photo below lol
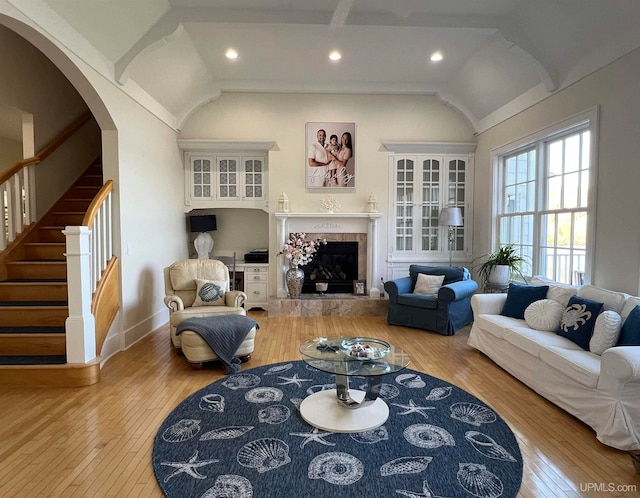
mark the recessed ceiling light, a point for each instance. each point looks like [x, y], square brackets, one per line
[436, 57]
[231, 54]
[335, 55]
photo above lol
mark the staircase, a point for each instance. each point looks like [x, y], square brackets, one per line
[33, 296]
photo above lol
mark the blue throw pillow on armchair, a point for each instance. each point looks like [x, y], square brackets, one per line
[520, 296]
[630, 332]
[578, 320]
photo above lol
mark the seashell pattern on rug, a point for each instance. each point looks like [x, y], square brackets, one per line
[478, 481]
[487, 446]
[372, 436]
[274, 414]
[336, 468]
[264, 454]
[230, 486]
[242, 437]
[428, 436]
[231, 432]
[181, 431]
[212, 402]
[405, 465]
[438, 393]
[472, 413]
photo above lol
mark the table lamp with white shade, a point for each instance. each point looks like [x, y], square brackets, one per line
[204, 242]
[450, 217]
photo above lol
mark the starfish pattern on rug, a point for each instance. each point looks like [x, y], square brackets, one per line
[317, 435]
[293, 380]
[189, 467]
[413, 408]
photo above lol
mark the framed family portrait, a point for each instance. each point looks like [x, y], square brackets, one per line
[330, 158]
[359, 288]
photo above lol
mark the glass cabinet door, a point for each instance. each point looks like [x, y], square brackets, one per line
[430, 205]
[456, 188]
[227, 178]
[201, 177]
[253, 178]
[404, 204]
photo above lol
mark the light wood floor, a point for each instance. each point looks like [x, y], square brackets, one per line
[96, 441]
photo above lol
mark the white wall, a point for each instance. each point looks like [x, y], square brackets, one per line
[10, 153]
[35, 85]
[617, 238]
[282, 118]
[143, 159]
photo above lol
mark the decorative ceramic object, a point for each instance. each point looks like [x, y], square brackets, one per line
[283, 203]
[295, 278]
[372, 203]
[330, 204]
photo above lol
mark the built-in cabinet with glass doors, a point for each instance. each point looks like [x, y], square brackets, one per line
[423, 182]
[225, 178]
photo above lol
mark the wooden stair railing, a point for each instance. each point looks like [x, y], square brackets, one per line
[88, 285]
[90, 252]
[17, 185]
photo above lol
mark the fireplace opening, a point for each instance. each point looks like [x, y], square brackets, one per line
[335, 263]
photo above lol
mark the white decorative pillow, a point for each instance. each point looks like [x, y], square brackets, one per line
[605, 332]
[428, 285]
[544, 314]
[210, 292]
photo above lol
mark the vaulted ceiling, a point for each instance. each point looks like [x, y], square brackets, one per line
[499, 55]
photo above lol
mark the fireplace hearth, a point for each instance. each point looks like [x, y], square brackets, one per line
[335, 263]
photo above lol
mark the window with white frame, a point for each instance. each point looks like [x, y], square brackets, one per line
[545, 209]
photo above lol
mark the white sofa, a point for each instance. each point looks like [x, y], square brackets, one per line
[602, 391]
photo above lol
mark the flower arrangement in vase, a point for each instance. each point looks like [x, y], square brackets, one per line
[298, 251]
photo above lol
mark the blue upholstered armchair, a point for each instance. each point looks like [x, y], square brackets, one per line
[445, 313]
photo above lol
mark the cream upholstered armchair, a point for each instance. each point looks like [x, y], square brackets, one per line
[185, 280]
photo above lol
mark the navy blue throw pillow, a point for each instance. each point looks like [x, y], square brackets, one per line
[520, 296]
[630, 332]
[578, 320]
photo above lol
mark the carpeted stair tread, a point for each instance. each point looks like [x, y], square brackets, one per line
[32, 330]
[33, 360]
[33, 280]
[33, 303]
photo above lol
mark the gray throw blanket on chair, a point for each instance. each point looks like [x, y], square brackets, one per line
[223, 334]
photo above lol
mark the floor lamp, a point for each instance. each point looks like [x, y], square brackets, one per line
[203, 242]
[450, 217]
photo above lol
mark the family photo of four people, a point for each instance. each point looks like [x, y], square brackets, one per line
[328, 162]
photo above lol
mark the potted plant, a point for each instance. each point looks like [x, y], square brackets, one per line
[500, 264]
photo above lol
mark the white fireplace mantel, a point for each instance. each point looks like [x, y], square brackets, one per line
[331, 223]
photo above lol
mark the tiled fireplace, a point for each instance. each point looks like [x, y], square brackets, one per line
[361, 227]
[336, 227]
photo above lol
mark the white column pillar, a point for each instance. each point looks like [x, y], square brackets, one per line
[280, 267]
[80, 325]
[372, 257]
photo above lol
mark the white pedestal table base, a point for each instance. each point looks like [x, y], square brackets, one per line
[324, 411]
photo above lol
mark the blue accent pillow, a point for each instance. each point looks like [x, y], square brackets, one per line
[520, 296]
[578, 320]
[630, 332]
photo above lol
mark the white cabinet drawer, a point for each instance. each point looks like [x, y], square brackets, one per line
[256, 269]
[255, 277]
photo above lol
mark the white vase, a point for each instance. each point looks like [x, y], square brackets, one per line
[499, 274]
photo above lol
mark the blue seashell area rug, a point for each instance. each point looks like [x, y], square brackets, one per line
[242, 437]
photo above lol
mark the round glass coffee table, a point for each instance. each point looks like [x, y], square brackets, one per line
[342, 409]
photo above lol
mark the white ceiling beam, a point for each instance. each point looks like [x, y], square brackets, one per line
[341, 13]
